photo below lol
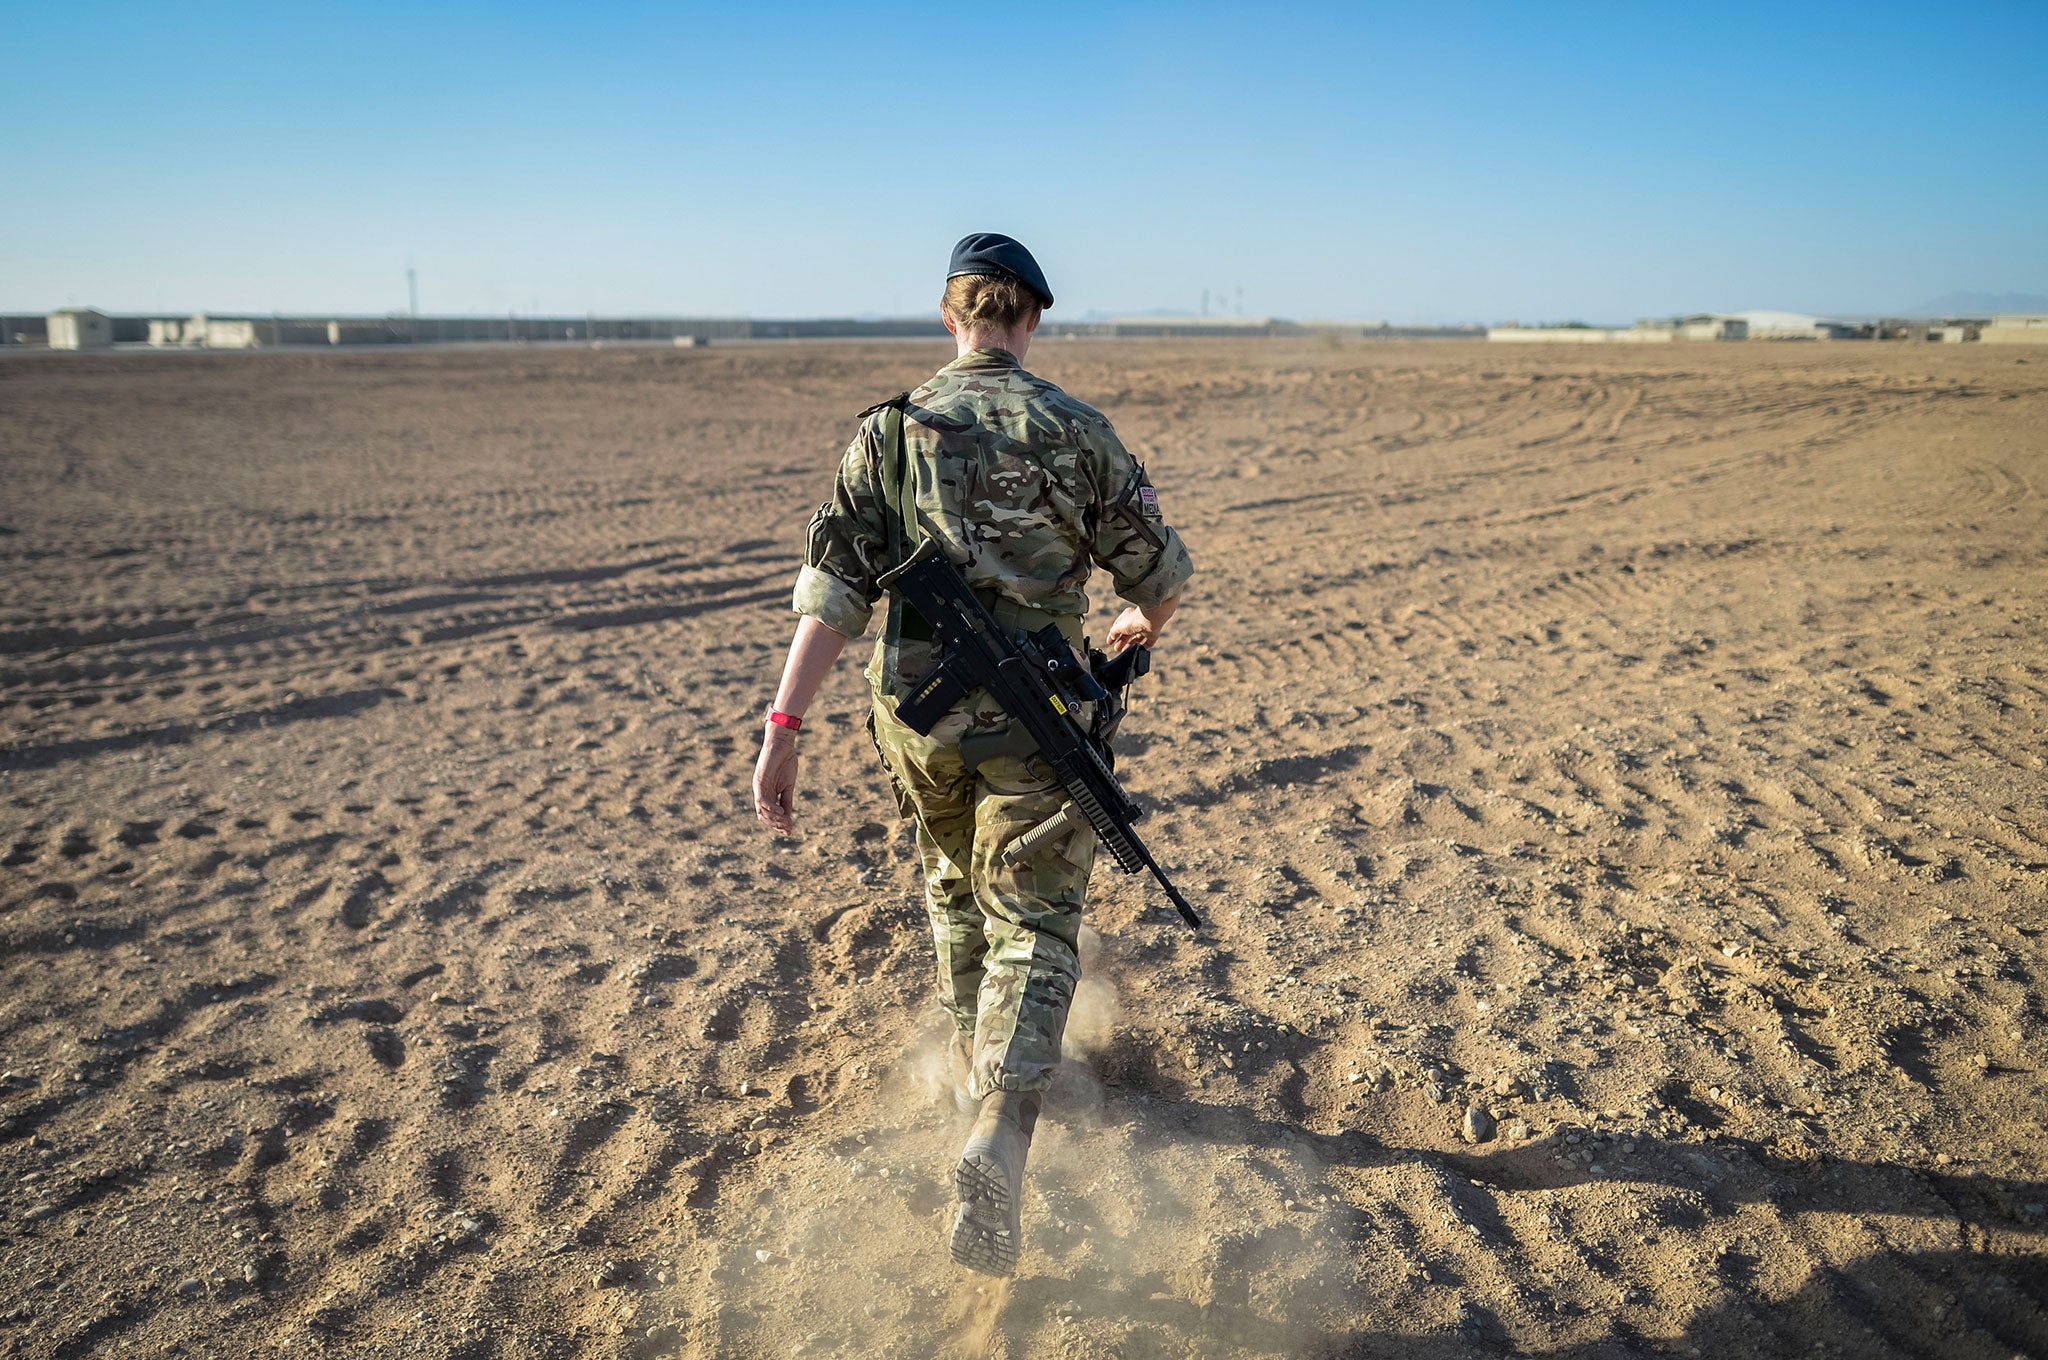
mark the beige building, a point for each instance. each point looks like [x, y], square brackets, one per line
[80, 328]
[2014, 330]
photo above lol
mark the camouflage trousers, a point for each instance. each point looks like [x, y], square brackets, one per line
[1006, 936]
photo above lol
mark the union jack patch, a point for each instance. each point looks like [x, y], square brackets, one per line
[1149, 499]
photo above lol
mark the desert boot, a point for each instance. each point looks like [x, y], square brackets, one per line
[990, 1183]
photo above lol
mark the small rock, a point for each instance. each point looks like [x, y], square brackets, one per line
[250, 1274]
[760, 1121]
[1479, 1124]
[1436, 1093]
[1943, 1159]
[191, 1286]
[764, 1256]
[609, 1274]
[1983, 1061]
[747, 1088]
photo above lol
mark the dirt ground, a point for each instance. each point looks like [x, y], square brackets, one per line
[1614, 779]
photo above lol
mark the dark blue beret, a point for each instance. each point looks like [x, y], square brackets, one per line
[992, 253]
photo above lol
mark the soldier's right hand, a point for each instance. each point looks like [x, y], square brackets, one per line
[775, 780]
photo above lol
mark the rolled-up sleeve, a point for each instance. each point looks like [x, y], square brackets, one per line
[1132, 540]
[845, 545]
[831, 602]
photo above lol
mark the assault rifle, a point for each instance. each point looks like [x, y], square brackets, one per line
[1037, 680]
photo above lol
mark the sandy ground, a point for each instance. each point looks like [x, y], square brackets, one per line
[1615, 780]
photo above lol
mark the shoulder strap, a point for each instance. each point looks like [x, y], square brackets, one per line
[900, 500]
[897, 490]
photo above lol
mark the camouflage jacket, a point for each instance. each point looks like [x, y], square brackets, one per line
[1031, 488]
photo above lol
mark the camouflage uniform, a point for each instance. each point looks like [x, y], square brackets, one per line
[1033, 490]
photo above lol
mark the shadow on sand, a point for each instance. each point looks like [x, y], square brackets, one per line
[1987, 1298]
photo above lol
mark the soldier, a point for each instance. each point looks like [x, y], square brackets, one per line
[1031, 490]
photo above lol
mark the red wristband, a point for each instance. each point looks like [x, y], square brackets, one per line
[781, 719]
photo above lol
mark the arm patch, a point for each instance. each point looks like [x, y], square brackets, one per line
[1138, 506]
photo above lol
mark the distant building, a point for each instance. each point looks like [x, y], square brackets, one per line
[2015, 330]
[1780, 325]
[1799, 326]
[230, 335]
[1710, 326]
[80, 328]
[1580, 335]
[1185, 326]
[204, 332]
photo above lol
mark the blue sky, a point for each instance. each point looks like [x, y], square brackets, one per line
[1454, 161]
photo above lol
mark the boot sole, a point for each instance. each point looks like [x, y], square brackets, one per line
[986, 1230]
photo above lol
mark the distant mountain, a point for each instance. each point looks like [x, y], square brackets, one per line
[1981, 304]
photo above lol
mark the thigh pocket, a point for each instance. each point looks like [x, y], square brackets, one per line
[906, 806]
[1051, 875]
[1023, 777]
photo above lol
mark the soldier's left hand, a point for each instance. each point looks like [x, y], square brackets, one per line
[1140, 625]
